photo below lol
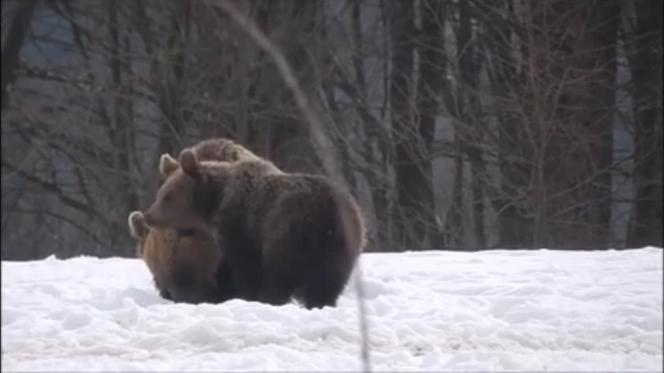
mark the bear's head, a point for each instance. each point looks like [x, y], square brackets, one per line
[187, 198]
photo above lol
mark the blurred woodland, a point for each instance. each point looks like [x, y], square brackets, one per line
[461, 124]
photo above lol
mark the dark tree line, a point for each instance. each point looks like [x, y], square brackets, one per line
[457, 124]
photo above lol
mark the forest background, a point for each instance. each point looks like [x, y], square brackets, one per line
[459, 125]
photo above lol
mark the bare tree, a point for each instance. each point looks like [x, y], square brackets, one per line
[646, 63]
[471, 124]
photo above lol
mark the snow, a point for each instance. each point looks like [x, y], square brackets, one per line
[438, 311]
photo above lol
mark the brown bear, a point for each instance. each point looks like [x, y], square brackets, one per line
[185, 268]
[182, 262]
[283, 235]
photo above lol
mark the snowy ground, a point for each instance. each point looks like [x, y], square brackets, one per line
[441, 311]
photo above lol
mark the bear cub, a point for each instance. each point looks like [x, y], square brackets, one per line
[185, 268]
[283, 235]
[186, 265]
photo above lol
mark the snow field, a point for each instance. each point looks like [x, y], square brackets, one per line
[439, 311]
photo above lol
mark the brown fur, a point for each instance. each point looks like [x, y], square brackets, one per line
[283, 235]
[217, 149]
[188, 268]
[184, 266]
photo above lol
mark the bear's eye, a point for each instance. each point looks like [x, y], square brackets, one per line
[167, 198]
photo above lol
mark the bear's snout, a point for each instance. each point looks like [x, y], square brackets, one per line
[155, 218]
[148, 217]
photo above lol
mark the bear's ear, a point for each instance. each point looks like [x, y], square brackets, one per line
[189, 163]
[167, 165]
[137, 226]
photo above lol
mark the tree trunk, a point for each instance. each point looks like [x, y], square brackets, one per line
[377, 149]
[470, 123]
[646, 221]
[121, 129]
[170, 80]
[578, 148]
[515, 223]
[431, 67]
[412, 138]
[454, 227]
[13, 45]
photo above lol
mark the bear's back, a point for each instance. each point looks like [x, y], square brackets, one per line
[305, 187]
[283, 202]
[221, 149]
[243, 182]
